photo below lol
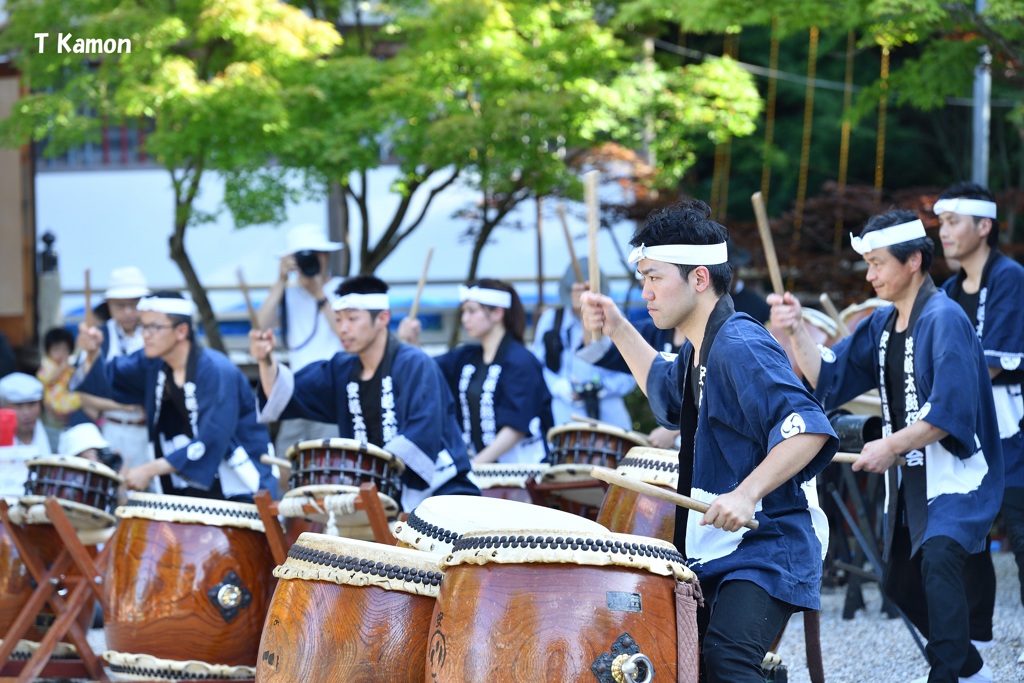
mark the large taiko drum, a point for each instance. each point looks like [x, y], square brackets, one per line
[854, 313]
[349, 611]
[346, 462]
[563, 606]
[439, 521]
[506, 480]
[576, 448]
[628, 512]
[188, 589]
[85, 490]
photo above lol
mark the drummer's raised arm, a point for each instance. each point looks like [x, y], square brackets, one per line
[261, 348]
[599, 313]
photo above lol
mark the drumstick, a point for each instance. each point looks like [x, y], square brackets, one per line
[88, 299]
[761, 214]
[613, 477]
[590, 180]
[830, 308]
[253, 320]
[584, 418]
[568, 240]
[852, 458]
[280, 462]
[419, 287]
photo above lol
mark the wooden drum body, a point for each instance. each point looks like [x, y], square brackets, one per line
[86, 490]
[346, 462]
[581, 443]
[550, 606]
[439, 521]
[628, 512]
[191, 579]
[349, 611]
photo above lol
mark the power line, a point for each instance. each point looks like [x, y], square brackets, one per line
[797, 78]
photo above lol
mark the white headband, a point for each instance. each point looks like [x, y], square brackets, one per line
[363, 302]
[488, 297]
[886, 237]
[966, 207]
[683, 254]
[170, 306]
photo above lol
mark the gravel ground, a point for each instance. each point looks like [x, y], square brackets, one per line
[871, 648]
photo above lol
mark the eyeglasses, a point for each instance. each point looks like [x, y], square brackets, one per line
[153, 328]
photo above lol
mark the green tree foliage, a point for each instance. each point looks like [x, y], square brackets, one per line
[213, 75]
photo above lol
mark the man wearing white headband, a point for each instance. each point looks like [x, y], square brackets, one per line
[752, 440]
[378, 391]
[200, 415]
[990, 290]
[925, 360]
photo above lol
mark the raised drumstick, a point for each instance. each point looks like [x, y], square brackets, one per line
[415, 309]
[88, 299]
[253, 320]
[590, 180]
[613, 477]
[568, 241]
[761, 214]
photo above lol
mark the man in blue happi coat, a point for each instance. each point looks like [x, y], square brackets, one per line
[990, 289]
[200, 413]
[378, 391]
[925, 360]
[752, 439]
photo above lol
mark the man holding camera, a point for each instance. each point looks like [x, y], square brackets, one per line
[303, 313]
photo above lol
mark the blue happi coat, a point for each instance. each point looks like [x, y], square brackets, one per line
[222, 412]
[514, 395]
[750, 401]
[947, 385]
[417, 411]
[1000, 326]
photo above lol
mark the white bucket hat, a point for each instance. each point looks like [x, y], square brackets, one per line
[19, 387]
[308, 237]
[126, 283]
[80, 438]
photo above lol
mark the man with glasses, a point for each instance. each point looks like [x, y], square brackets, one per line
[200, 415]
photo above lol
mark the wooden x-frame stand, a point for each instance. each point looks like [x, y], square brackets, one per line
[74, 570]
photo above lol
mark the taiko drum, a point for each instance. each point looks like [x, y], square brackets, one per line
[191, 580]
[86, 490]
[557, 606]
[581, 443]
[16, 583]
[628, 512]
[439, 521]
[349, 611]
[348, 462]
[507, 481]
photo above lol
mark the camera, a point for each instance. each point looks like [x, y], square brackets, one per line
[308, 262]
[109, 458]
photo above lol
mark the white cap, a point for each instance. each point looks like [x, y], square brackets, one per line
[81, 438]
[308, 237]
[126, 283]
[18, 387]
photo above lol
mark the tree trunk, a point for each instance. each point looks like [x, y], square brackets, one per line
[183, 210]
[338, 228]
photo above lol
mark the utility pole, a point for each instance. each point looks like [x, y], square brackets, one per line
[981, 111]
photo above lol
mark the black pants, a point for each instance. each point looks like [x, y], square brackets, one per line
[929, 588]
[1013, 520]
[980, 581]
[736, 632]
